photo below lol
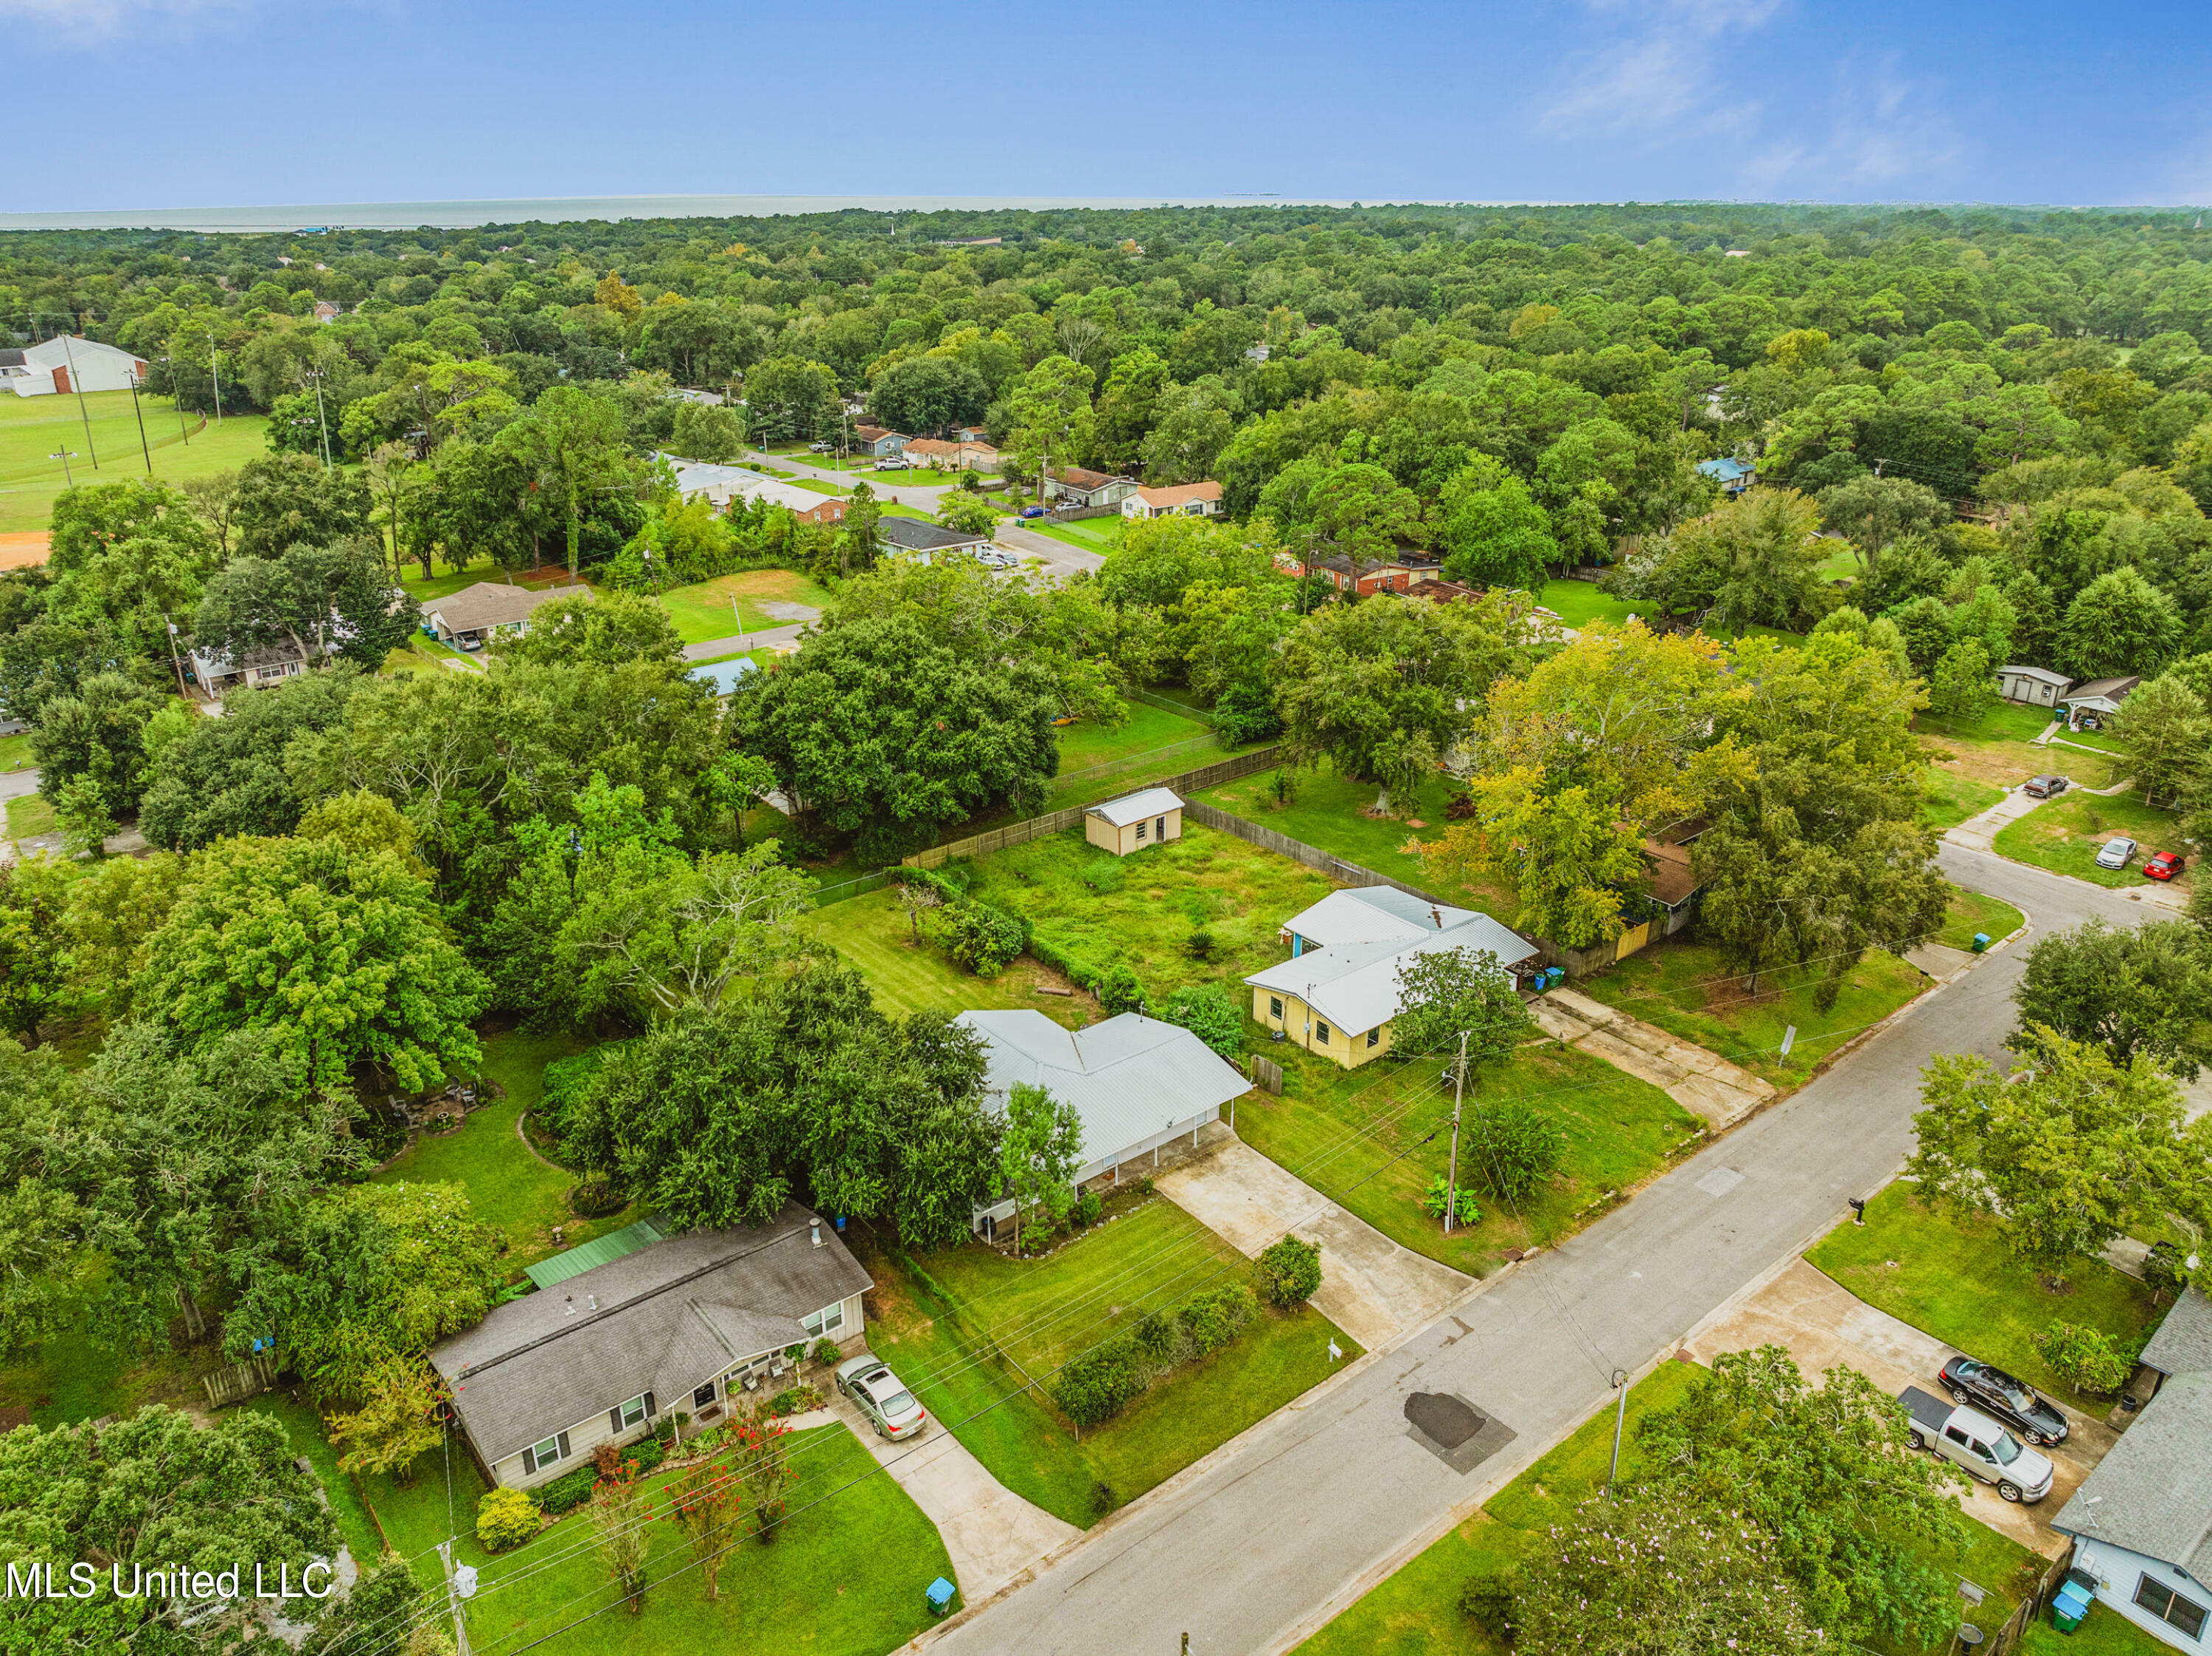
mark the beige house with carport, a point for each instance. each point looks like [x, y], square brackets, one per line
[1135, 821]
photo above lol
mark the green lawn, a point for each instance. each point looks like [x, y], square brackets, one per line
[1100, 535]
[34, 428]
[1971, 912]
[1951, 798]
[29, 814]
[722, 607]
[1994, 721]
[509, 1188]
[845, 1575]
[77, 1378]
[2064, 834]
[1415, 1611]
[1357, 1136]
[1089, 747]
[15, 752]
[969, 1328]
[1688, 989]
[1946, 1272]
[2104, 1632]
[873, 931]
[305, 1427]
[1329, 812]
[1143, 909]
[1578, 603]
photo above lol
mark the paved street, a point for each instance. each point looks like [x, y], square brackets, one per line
[1257, 1545]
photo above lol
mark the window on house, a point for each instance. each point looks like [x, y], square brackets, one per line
[630, 1414]
[828, 1320]
[1142, 827]
[1274, 1006]
[2170, 1607]
[1320, 1033]
[545, 1455]
[1375, 1037]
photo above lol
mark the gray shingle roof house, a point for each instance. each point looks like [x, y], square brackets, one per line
[1339, 991]
[1136, 1082]
[926, 541]
[2142, 1521]
[599, 1356]
[474, 612]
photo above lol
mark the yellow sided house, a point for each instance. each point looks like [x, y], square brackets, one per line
[1135, 821]
[1339, 991]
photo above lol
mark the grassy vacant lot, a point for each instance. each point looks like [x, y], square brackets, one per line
[34, 428]
[1946, 1271]
[1578, 603]
[1100, 535]
[2063, 836]
[967, 1330]
[845, 1575]
[1415, 1612]
[1688, 989]
[1328, 811]
[873, 931]
[1952, 796]
[15, 752]
[77, 1378]
[1995, 747]
[509, 1187]
[29, 814]
[705, 609]
[1971, 912]
[1142, 910]
[1094, 757]
[1358, 1137]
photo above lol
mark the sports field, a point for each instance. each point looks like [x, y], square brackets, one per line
[34, 429]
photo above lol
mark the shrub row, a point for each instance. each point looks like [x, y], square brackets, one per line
[1098, 1385]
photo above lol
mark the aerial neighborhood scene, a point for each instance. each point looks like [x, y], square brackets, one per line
[1411, 873]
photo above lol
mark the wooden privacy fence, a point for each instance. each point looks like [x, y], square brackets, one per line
[1581, 962]
[1312, 855]
[1058, 822]
[237, 1381]
[1068, 515]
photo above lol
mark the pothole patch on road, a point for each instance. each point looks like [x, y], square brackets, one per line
[1453, 1430]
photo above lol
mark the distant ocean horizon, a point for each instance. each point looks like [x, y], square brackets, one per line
[566, 209]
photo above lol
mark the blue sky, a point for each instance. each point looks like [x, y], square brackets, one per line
[182, 103]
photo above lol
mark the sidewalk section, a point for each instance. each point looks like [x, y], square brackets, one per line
[1707, 1085]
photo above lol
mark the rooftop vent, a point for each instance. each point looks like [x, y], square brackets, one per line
[818, 1233]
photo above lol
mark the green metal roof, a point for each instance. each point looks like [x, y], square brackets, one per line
[599, 1251]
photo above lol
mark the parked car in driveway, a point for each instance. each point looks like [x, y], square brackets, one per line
[2004, 1398]
[890, 1407]
[1032, 512]
[894, 463]
[2045, 787]
[2119, 851]
[2165, 865]
[1977, 1445]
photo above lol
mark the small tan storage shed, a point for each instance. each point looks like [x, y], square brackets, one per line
[1135, 821]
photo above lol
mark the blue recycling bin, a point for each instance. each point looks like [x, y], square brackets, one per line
[940, 1596]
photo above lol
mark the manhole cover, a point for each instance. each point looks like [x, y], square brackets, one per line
[1446, 1421]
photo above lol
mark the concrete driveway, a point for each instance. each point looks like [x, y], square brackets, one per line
[991, 1533]
[1370, 1287]
[1704, 1084]
[1823, 1325]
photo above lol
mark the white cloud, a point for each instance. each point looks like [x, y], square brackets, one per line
[1881, 128]
[1658, 75]
[92, 22]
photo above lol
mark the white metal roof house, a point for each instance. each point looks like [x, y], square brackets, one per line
[2089, 705]
[720, 485]
[598, 1355]
[1135, 821]
[1339, 991]
[1136, 1082]
[55, 366]
[2142, 1520]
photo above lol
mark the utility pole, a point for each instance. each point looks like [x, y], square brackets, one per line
[77, 386]
[1451, 1179]
[144, 448]
[176, 397]
[216, 375]
[65, 456]
[317, 376]
[1620, 1415]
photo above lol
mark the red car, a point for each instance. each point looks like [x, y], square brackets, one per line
[2164, 865]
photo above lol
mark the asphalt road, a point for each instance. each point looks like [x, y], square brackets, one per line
[1264, 1542]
